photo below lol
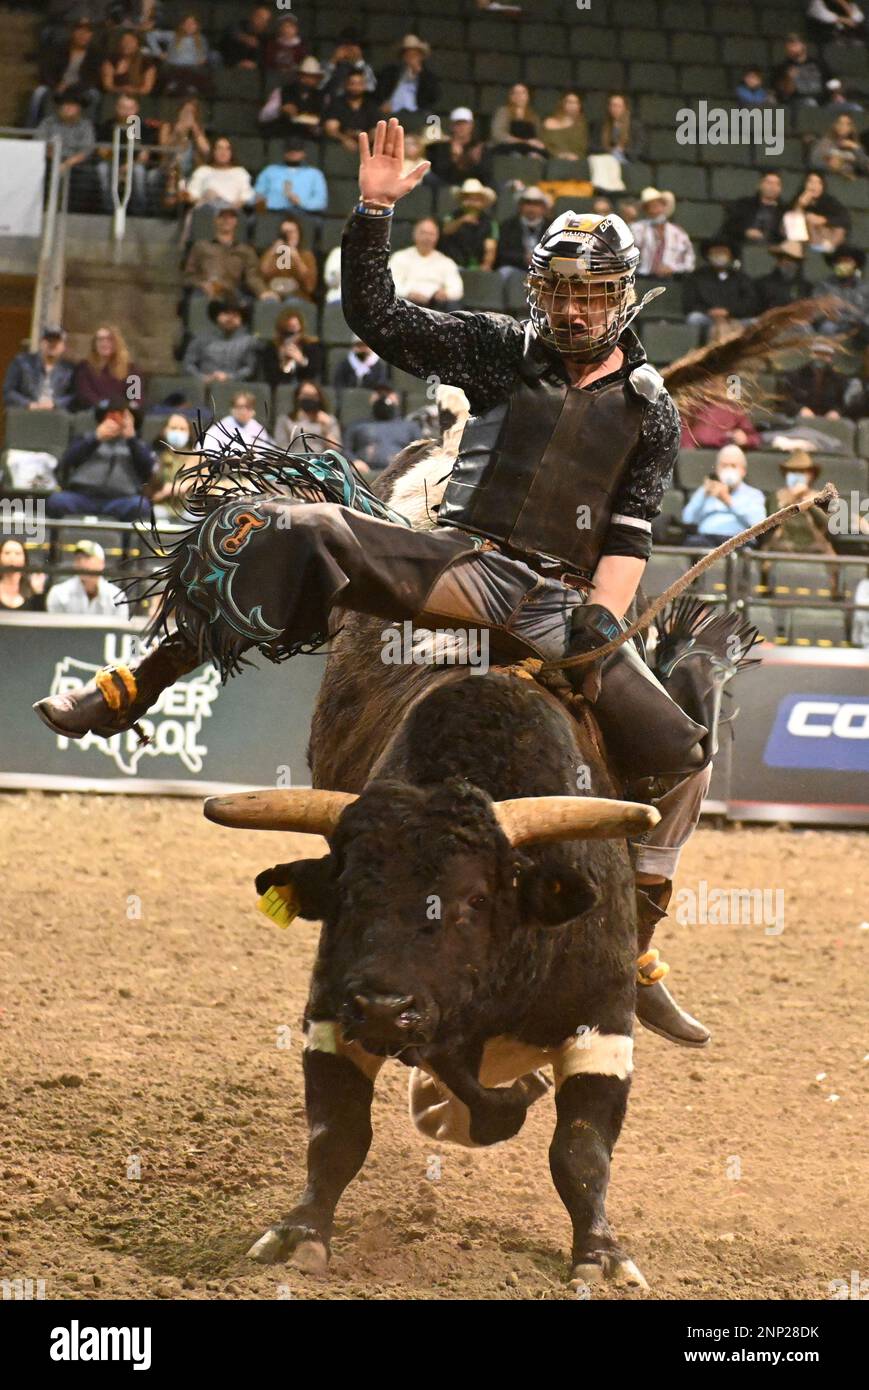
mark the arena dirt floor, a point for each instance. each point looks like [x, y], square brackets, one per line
[160, 1040]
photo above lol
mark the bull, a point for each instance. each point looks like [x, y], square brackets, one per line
[478, 923]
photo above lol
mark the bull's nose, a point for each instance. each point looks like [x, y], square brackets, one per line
[390, 1010]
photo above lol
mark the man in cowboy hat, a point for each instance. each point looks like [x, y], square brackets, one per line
[847, 284]
[815, 388]
[296, 108]
[410, 84]
[471, 236]
[786, 283]
[521, 233]
[665, 248]
[718, 294]
[231, 355]
[560, 470]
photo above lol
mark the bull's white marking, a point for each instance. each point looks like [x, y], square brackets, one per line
[421, 488]
[439, 1115]
[322, 1036]
[603, 1054]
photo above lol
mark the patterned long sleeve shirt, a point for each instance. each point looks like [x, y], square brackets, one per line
[482, 354]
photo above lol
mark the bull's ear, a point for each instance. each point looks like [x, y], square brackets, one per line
[548, 898]
[313, 882]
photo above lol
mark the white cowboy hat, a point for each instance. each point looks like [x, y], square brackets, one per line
[534, 195]
[473, 186]
[413, 41]
[648, 195]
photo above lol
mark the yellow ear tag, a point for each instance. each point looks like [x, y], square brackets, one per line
[280, 905]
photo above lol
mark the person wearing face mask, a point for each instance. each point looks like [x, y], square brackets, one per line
[723, 505]
[293, 355]
[808, 532]
[361, 367]
[292, 184]
[376, 441]
[665, 248]
[815, 388]
[847, 284]
[786, 283]
[167, 496]
[310, 415]
[718, 295]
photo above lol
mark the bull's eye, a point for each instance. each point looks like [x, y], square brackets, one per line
[478, 902]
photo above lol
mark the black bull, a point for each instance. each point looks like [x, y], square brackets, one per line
[472, 960]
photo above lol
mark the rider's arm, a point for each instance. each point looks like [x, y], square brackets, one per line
[638, 500]
[615, 582]
[475, 351]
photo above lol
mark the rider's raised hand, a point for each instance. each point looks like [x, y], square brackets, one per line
[381, 179]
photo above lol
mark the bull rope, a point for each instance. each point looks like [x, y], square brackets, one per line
[823, 499]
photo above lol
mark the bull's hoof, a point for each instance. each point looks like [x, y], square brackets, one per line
[294, 1244]
[610, 1269]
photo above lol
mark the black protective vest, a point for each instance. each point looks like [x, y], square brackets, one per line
[540, 472]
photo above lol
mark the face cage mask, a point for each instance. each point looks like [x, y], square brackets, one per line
[604, 312]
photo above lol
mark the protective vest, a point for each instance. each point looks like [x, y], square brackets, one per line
[540, 471]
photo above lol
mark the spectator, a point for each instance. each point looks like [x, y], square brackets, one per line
[145, 174]
[665, 248]
[360, 368]
[244, 44]
[520, 234]
[470, 237]
[410, 84]
[515, 127]
[221, 182]
[296, 108]
[229, 356]
[332, 276]
[620, 133]
[77, 141]
[107, 373]
[786, 283]
[288, 268]
[310, 415]
[829, 20]
[88, 591]
[72, 64]
[425, 275]
[840, 151]
[723, 505]
[225, 266]
[860, 624]
[463, 155]
[285, 49]
[292, 184]
[815, 388]
[750, 90]
[41, 380]
[21, 589]
[757, 218]
[239, 431]
[847, 284]
[718, 293]
[713, 425]
[372, 444]
[838, 99]
[807, 532]
[346, 58]
[355, 110]
[103, 473]
[185, 136]
[292, 355]
[565, 132]
[169, 491]
[629, 209]
[816, 217]
[799, 80]
[127, 68]
[186, 65]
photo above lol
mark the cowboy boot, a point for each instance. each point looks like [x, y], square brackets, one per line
[656, 1008]
[118, 696]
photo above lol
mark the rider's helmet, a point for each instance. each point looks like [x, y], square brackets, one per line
[581, 284]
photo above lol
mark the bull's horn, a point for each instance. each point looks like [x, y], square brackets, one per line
[303, 809]
[540, 819]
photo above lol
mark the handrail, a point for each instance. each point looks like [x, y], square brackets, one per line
[121, 200]
[48, 302]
